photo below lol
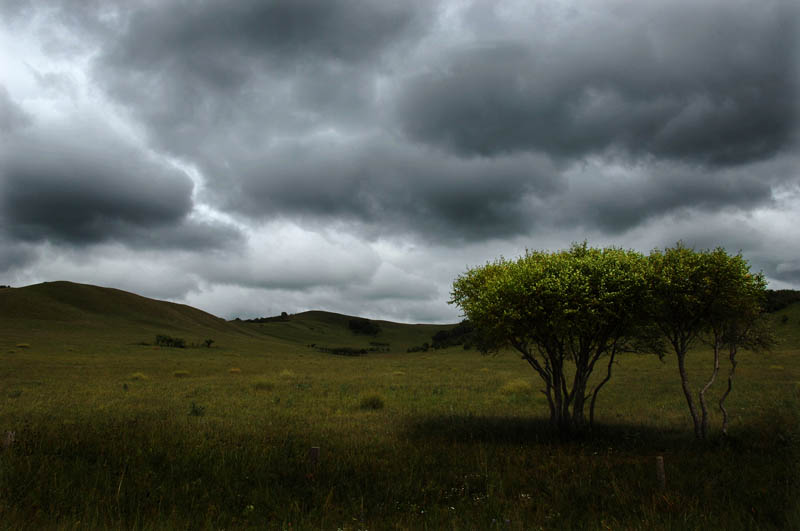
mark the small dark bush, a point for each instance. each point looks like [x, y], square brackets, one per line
[371, 401]
[364, 327]
[780, 299]
[168, 341]
[343, 351]
[283, 317]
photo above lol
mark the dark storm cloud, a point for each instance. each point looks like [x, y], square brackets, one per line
[251, 93]
[15, 255]
[282, 30]
[619, 199]
[224, 60]
[399, 188]
[80, 183]
[441, 123]
[714, 82]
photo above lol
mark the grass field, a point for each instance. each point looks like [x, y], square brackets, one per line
[111, 431]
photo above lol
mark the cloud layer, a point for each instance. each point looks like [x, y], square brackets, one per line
[356, 155]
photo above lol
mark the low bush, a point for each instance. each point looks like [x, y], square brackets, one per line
[180, 374]
[263, 384]
[169, 341]
[342, 351]
[364, 327]
[371, 401]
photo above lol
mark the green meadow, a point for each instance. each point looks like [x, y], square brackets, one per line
[111, 430]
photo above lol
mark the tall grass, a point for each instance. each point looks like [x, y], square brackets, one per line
[461, 442]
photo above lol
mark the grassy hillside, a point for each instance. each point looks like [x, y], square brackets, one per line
[786, 323]
[326, 329]
[86, 305]
[56, 311]
[113, 434]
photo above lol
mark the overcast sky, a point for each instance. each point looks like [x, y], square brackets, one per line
[254, 157]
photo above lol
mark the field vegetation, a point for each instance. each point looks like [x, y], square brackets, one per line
[100, 427]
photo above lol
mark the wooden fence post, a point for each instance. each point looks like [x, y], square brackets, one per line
[313, 456]
[660, 475]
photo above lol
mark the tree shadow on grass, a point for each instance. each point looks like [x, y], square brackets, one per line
[517, 430]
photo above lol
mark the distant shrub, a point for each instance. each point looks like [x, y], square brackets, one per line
[180, 374]
[23, 345]
[780, 299]
[16, 393]
[263, 384]
[282, 318]
[516, 387]
[168, 341]
[364, 326]
[208, 342]
[235, 370]
[196, 410]
[420, 348]
[371, 401]
[342, 351]
[139, 376]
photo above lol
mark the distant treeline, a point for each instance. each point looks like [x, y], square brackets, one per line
[463, 334]
[778, 299]
[283, 317]
[363, 326]
[352, 351]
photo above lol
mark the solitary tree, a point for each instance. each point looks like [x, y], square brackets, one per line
[575, 306]
[708, 296]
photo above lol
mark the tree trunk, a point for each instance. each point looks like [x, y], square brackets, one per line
[579, 384]
[601, 384]
[732, 357]
[702, 394]
[578, 401]
[688, 393]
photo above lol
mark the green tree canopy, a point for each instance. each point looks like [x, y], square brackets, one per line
[567, 307]
[707, 296]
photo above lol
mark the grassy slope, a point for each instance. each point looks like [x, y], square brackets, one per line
[70, 312]
[104, 434]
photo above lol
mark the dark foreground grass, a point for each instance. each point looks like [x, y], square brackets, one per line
[435, 471]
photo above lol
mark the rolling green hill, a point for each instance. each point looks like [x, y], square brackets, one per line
[69, 302]
[53, 310]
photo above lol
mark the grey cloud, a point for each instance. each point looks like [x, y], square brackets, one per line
[715, 83]
[15, 255]
[12, 117]
[617, 200]
[395, 188]
[82, 184]
[214, 58]
[207, 33]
